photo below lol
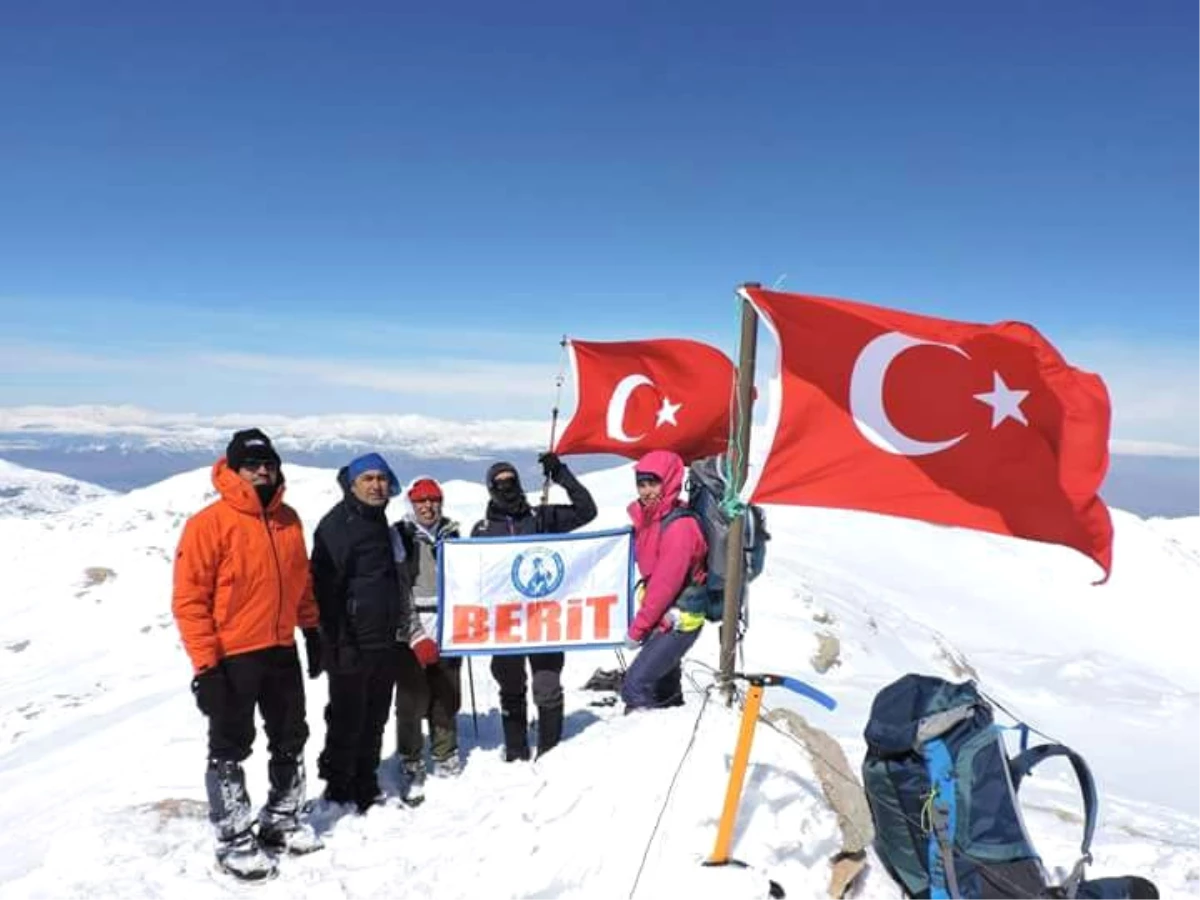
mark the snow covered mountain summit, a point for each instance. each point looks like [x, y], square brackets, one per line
[102, 750]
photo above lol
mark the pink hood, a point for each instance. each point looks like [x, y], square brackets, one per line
[668, 467]
[665, 558]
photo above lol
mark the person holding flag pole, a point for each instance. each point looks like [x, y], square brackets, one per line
[508, 513]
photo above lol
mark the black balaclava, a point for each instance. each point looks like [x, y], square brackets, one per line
[266, 493]
[509, 499]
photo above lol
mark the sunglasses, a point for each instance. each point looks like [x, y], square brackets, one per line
[254, 465]
[647, 478]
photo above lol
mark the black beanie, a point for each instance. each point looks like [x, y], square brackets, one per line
[250, 445]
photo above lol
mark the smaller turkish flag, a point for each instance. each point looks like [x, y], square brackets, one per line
[979, 426]
[632, 397]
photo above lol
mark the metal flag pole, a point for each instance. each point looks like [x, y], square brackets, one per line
[738, 463]
[558, 386]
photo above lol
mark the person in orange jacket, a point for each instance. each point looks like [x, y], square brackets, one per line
[241, 588]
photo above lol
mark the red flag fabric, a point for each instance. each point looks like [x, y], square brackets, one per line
[637, 396]
[979, 426]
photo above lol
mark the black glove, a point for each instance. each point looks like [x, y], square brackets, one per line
[312, 652]
[211, 688]
[551, 465]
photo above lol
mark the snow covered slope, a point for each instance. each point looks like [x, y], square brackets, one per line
[28, 492]
[102, 750]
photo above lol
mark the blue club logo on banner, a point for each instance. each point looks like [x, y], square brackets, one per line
[538, 572]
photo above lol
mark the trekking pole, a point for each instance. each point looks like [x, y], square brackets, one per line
[471, 685]
[558, 385]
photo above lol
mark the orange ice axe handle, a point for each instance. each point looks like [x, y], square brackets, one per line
[737, 775]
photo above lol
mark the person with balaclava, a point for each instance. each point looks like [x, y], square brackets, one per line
[367, 621]
[509, 513]
[433, 692]
[241, 588]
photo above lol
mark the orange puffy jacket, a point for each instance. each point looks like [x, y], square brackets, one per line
[241, 574]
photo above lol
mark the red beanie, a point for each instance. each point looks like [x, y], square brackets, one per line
[425, 489]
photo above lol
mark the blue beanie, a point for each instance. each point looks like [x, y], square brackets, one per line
[373, 462]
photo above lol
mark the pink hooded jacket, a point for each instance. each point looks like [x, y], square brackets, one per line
[665, 557]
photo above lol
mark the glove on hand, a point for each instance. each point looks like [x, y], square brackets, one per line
[425, 649]
[631, 643]
[312, 652]
[551, 465]
[210, 688]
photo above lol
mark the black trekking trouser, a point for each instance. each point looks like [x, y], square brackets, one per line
[509, 672]
[360, 698]
[268, 680]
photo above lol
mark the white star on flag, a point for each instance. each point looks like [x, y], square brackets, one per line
[1004, 401]
[666, 412]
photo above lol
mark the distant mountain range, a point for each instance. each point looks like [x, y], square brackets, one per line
[123, 447]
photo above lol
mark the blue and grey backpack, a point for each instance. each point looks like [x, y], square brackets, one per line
[943, 796]
[706, 485]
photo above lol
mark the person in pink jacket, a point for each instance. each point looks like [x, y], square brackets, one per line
[671, 557]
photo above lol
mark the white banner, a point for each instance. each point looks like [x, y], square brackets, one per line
[535, 593]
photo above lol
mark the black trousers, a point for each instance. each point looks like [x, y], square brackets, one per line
[509, 672]
[268, 680]
[360, 699]
[433, 693]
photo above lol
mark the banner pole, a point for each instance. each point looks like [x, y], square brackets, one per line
[474, 709]
[738, 469]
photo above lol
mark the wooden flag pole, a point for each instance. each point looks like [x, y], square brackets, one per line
[738, 467]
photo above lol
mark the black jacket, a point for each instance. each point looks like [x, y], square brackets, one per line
[363, 596]
[555, 518]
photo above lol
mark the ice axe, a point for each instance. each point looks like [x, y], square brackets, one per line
[741, 756]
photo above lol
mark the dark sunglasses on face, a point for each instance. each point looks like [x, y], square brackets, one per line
[647, 478]
[254, 465]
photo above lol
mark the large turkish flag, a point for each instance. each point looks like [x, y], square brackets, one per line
[636, 396]
[979, 426]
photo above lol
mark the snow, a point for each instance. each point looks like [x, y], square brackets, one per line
[28, 492]
[133, 428]
[102, 750]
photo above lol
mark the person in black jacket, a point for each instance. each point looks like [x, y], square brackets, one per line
[509, 513]
[366, 621]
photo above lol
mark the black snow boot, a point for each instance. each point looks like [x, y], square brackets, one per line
[279, 822]
[516, 734]
[550, 726]
[238, 851]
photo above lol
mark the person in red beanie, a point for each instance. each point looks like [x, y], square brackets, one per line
[432, 692]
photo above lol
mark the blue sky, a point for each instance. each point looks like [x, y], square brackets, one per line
[311, 207]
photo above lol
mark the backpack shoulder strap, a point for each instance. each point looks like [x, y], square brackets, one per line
[1024, 763]
[680, 512]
